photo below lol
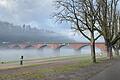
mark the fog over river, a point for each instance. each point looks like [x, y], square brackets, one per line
[14, 54]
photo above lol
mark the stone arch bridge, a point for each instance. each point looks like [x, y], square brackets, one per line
[57, 46]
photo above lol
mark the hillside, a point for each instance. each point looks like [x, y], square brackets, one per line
[15, 33]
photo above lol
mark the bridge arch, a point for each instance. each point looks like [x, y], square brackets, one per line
[39, 46]
[16, 46]
[13, 46]
[61, 45]
[25, 46]
[66, 50]
[42, 46]
[82, 47]
[87, 49]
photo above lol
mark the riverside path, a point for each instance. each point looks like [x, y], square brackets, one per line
[111, 73]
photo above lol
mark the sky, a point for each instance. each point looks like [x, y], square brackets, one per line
[38, 13]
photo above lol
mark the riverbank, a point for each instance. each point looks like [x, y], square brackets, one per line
[35, 62]
[75, 68]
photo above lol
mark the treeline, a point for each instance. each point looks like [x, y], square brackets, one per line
[101, 16]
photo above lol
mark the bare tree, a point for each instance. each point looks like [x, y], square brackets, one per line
[107, 20]
[82, 14]
[116, 46]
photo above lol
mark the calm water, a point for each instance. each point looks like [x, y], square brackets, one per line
[14, 54]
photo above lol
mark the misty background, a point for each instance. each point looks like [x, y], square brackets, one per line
[31, 21]
[18, 34]
[38, 20]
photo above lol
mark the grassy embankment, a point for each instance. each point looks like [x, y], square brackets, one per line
[80, 62]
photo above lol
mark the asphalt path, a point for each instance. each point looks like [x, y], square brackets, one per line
[111, 73]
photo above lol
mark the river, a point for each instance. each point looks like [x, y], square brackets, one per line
[14, 54]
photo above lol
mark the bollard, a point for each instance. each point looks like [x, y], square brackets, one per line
[21, 60]
[2, 62]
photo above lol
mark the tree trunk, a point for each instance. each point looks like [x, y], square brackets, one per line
[93, 48]
[109, 51]
[116, 51]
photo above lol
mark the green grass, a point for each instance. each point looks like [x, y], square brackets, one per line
[24, 75]
[41, 73]
[80, 62]
[71, 67]
[51, 58]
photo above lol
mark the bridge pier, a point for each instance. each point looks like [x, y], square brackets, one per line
[57, 52]
[41, 49]
[77, 51]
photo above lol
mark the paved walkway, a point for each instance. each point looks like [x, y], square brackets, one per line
[111, 73]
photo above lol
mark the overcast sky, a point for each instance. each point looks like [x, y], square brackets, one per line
[35, 12]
